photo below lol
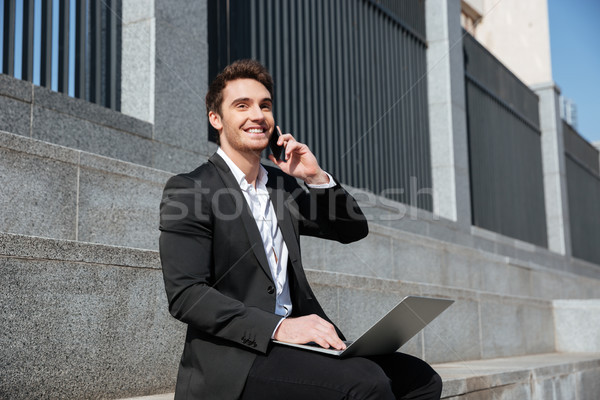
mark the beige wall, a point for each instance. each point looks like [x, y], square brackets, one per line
[517, 32]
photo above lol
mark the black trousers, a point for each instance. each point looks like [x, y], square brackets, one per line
[290, 374]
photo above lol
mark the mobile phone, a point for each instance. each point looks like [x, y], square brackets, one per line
[277, 150]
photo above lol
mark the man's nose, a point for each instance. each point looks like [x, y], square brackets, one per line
[256, 114]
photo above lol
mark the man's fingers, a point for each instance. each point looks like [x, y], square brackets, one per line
[291, 146]
[321, 342]
[330, 337]
[311, 328]
[286, 137]
[275, 161]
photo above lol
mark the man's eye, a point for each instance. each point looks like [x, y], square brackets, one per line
[266, 107]
[241, 105]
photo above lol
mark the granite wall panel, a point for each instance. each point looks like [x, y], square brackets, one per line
[78, 330]
[38, 195]
[118, 210]
[454, 335]
[15, 116]
[82, 134]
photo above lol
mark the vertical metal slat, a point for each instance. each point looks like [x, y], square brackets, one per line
[46, 45]
[27, 63]
[111, 54]
[80, 49]
[63, 46]
[95, 46]
[8, 47]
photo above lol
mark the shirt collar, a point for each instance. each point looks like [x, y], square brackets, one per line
[240, 177]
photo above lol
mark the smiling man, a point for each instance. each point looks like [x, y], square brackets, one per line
[233, 272]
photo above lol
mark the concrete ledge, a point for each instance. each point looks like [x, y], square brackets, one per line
[430, 247]
[15, 88]
[33, 111]
[577, 325]
[166, 396]
[46, 98]
[83, 321]
[105, 319]
[55, 191]
[391, 253]
[478, 325]
[82, 109]
[32, 247]
[555, 376]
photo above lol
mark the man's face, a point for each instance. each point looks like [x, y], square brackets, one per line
[246, 121]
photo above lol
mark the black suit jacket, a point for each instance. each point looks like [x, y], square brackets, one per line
[216, 272]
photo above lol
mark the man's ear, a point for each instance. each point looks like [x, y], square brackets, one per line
[215, 120]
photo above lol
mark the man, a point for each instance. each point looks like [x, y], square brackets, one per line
[233, 272]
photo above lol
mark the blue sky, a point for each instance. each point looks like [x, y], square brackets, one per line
[575, 50]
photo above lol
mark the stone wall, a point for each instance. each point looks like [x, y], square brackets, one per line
[39, 113]
[93, 305]
[83, 321]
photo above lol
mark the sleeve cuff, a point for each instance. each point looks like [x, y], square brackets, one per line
[277, 326]
[328, 185]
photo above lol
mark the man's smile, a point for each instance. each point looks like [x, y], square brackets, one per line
[256, 131]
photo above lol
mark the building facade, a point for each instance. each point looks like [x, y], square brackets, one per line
[474, 187]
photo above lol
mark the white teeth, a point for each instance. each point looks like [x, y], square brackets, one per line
[254, 130]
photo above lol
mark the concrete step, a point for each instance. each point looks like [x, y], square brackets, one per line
[101, 281]
[554, 376]
[58, 192]
[104, 316]
[75, 263]
[38, 112]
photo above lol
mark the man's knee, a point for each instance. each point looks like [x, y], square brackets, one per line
[433, 389]
[381, 389]
[372, 384]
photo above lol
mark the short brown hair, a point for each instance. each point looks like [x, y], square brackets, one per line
[240, 69]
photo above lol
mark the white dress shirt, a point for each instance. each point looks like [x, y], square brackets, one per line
[260, 205]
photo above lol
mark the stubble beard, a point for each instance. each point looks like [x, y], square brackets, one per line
[245, 147]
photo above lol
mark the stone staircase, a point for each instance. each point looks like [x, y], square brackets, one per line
[84, 311]
[537, 377]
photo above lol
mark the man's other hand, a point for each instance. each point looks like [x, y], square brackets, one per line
[310, 328]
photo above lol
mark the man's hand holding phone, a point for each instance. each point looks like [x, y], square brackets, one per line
[276, 149]
[300, 161]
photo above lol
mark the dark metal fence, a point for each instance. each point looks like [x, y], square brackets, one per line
[409, 13]
[583, 188]
[580, 149]
[69, 46]
[507, 193]
[350, 81]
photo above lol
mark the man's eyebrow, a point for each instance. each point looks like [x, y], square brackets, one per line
[240, 100]
[246, 99]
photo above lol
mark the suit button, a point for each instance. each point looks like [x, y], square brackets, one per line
[270, 290]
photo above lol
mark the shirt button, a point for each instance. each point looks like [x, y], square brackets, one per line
[270, 290]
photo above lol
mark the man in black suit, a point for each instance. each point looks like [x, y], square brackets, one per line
[233, 272]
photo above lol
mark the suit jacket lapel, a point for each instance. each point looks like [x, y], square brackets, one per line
[245, 215]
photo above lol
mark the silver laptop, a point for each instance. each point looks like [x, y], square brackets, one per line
[392, 331]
